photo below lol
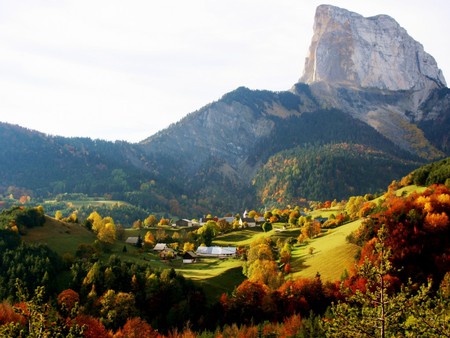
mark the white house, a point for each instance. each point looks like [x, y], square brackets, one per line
[216, 251]
[160, 247]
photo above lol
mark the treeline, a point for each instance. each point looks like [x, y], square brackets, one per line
[433, 173]
[18, 219]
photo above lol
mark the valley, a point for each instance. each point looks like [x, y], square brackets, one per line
[322, 210]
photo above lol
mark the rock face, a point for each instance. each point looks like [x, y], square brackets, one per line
[376, 52]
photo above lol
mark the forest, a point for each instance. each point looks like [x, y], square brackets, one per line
[398, 286]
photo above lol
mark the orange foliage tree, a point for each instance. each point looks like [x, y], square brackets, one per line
[136, 328]
[67, 300]
[418, 233]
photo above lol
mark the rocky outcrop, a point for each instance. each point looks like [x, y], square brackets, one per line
[372, 69]
[376, 52]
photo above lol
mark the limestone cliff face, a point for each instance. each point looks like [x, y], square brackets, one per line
[376, 52]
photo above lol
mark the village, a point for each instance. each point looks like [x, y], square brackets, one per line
[168, 249]
[166, 252]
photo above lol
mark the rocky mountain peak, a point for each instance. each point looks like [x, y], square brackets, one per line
[375, 52]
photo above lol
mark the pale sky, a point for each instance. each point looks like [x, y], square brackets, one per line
[123, 70]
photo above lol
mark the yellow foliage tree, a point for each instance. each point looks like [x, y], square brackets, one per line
[107, 234]
[149, 239]
[96, 221]
[150, 221]
[188, 247]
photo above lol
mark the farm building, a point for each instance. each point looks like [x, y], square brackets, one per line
[189, 257]
[132, 240]
[183, 223]
[160, 247]
[229, 219]
[250, 222]
[216, 251]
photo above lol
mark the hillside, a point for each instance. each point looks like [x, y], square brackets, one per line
[332, 254]
[60, 236]
[327, 172]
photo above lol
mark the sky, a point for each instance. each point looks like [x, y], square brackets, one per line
[123, 70]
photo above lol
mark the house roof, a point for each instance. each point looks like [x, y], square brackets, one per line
[228, 219]
[216, 250]
[132, 240]
[160, 246]
[184, 220]
[189, 254]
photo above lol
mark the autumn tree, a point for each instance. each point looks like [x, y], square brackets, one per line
[285, 253]
[67, 300]
[207, 232]
[375, 310]
[96, 221]
[164, 221]
[149, 239]
[58, 215]
[107, 233]
[150, 221]
[311, 229]
[261, 266]
[188, 246]
[92, 327]
[137, 224]
[224, 226]
[38, 316]
[160, 235]
[136, 328]
[353, 206]
[116, 308]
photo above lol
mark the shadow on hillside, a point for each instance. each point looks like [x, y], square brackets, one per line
[238, 236]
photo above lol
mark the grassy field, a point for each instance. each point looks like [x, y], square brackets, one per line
[61, 237]
[91, 201]
[325, 212]
[214, 275]
[331, 255]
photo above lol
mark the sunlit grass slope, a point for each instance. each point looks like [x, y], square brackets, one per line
[332, 254]
[60, 236]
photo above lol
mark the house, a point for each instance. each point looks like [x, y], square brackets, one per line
[250, 221]
[216, 251]
[204, 220]
[183, 223]
[228, 219]
[160, 247]
[132, 240]
[260, 220]
[189, 257]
